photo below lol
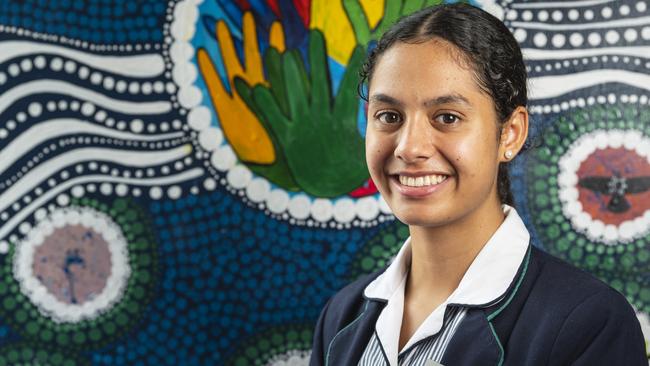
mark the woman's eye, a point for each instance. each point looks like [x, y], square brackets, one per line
[447, 118]
[389, 117]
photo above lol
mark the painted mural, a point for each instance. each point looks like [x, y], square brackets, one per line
[183, 182]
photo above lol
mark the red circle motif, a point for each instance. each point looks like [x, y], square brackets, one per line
[73, 263]
[600, 167]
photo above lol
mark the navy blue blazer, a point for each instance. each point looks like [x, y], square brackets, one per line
[552, 314]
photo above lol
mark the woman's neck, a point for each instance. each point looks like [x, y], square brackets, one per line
[440, 256]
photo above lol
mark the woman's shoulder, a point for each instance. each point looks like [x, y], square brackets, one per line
[592, 321]
[572, 316]
[569, 283]
[553, 293]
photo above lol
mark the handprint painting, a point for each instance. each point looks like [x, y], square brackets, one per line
[290, 129]
[184, 182]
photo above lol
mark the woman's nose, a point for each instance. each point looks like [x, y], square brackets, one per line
[415, 141]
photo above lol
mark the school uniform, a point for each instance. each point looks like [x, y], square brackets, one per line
[515, 305]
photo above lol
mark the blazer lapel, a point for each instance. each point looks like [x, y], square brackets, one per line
[474, 342]
[348, 345]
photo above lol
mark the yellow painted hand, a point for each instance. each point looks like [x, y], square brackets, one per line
[240, 125]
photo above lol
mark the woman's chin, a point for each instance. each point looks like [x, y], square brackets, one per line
[421, 218]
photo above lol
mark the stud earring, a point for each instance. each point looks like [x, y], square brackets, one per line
[508, 154]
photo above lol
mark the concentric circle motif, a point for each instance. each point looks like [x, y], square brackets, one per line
[82, 276]
[587, 185]
[26, 354]
[604, 185]
[287, 345]
[73, 265]
[379, 250]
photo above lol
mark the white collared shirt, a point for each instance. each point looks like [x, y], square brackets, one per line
[486, 280]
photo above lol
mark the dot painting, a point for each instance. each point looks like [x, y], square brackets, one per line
[152, 214]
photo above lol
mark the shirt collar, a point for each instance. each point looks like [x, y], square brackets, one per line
[486, 280]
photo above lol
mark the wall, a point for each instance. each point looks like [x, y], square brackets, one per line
[182, 182]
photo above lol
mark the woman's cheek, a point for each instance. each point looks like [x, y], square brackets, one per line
[474, 151]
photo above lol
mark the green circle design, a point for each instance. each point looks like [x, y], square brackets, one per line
[271, 345]
[625, 266]
[379, 250]
[25, 318]
[24, 354]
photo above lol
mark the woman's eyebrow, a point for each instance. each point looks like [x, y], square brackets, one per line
[443, 99]
[448, 99]
[383, 98]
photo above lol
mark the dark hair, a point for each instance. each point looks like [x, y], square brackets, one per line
[485, 43]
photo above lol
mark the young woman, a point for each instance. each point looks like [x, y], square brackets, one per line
[446, 113]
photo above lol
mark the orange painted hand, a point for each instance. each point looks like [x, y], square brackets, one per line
[240, 125]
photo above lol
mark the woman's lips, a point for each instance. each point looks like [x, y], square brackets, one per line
[419, 186]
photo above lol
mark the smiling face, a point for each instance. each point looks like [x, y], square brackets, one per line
[431, 139]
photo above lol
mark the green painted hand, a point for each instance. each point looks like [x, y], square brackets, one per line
[318, 135]
[393, 10]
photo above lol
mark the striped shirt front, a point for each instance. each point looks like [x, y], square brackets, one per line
[486, 280]
[430, 348]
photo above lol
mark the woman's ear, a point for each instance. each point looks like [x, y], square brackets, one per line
[513, 134]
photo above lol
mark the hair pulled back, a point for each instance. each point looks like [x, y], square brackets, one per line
[486, 45]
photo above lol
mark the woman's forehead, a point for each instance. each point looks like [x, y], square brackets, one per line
[430, 70]
[431, 49]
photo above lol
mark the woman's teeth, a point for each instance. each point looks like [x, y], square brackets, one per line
[427, 180]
